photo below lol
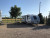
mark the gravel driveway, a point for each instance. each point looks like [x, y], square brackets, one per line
[24, 31]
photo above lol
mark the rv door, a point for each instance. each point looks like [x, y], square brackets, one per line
[35, 19]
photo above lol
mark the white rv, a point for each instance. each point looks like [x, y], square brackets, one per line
[33, 19]
[0, 17]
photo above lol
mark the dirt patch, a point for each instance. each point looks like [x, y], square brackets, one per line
[23, 31]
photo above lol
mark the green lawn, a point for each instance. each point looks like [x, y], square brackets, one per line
[10, 20]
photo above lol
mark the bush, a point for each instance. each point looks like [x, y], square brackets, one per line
[41, 18]
[48, 21]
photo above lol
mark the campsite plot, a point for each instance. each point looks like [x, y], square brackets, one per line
[24, 31]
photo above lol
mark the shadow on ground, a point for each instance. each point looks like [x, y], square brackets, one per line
[41, 27]
[18, 25]
[1, 24]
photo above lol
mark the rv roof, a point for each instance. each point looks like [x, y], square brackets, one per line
[30, 15]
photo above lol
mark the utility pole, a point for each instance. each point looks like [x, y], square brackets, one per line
[39, 6]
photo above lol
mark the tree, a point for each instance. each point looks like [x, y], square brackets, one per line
[15, 12]
[41, 18]
[44, 20]
[49, 15]
[48, 21]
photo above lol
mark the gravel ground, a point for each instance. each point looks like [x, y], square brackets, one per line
[24, 31]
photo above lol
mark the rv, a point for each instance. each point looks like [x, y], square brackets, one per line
[0, 17]
[32, 19]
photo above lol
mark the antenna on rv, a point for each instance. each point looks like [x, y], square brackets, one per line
[39, 6]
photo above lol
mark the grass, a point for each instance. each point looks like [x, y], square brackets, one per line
[10, 20]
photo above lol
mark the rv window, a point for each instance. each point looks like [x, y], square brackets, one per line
[34, 17]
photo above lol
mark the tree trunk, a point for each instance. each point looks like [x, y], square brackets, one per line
[15, 19]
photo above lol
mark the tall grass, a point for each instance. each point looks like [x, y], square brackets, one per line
[10, 20]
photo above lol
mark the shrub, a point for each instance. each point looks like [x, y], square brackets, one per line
[41, 18]
[48, 20]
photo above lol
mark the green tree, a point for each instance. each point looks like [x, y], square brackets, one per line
[49, 15]
[44, 20]
[41, 18]
[15, 12]
[48, 21]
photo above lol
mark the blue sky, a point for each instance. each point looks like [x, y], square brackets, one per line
[27, 6]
